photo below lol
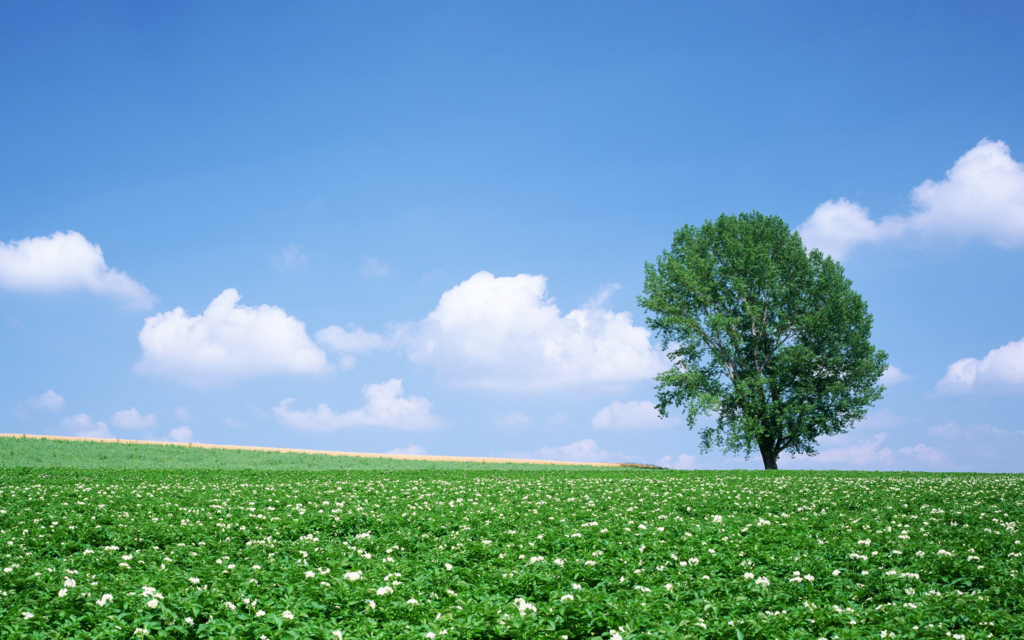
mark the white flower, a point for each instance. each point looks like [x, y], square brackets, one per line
[62, 593]
[716, 518]
[353, 575]
[576, 586]
[194, 580]
[412, 601]
[189, 621]
[28, 615]
[69, 583]
[567, 596]
[261, 613]
[762, 581]
[371, 604]
[524, 606]
[836, 572]
[153, 604]
[385, 591]
[448, 567]
[430, 634]
[748, 576]
[104, 599]
[287, 615]
[668, 587]
[310, 574]
[230, 605]
[140, 631]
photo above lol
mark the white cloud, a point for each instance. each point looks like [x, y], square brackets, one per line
[682, 461]
[837, 226]
[585, 450]
[345, 342]
[83, 426]
[512, 420]
[507, 334]
[864, 453]
[66, 262]
[372, 267]
[180, 434]
[411, 450]
[924, 454]
[1001, 368]
[181, 413]
[132, 419]
[353, 340]
[49, 400]
[385, 407]
[842, 451]
[982, 197]
[227, 342]
[288, 257]
[635, 414]
[893, 375]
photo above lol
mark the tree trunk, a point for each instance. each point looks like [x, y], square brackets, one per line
[769, 455]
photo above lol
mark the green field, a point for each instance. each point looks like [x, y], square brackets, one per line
[531, 552]
[77, 454]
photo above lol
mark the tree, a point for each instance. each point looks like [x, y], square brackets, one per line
[763, 333]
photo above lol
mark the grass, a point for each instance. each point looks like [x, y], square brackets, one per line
[78, 454]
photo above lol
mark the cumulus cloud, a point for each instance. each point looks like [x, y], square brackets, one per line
[346, 342]
[635, 414]
[837, 226]
[386, 406]
[227, 342]
[682, 461]
[49, 400]
[893, 375]
[83, 426]
[585, 450]
[505, 333]
[180, 434]
[1000, 369]
[66, 262]
[132, 419]
[982, 197]
[372, 267]
[411, 450]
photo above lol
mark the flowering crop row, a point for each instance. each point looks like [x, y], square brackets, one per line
[549, 554]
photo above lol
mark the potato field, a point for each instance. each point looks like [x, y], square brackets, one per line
[562, 554]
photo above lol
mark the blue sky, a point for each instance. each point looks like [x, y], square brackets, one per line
[422, 226]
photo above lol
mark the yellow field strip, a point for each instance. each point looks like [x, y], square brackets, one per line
[396, 456]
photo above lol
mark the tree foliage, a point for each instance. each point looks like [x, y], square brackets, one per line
[768, 336]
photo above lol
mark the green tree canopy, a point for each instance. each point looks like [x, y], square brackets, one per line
[768, 336]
